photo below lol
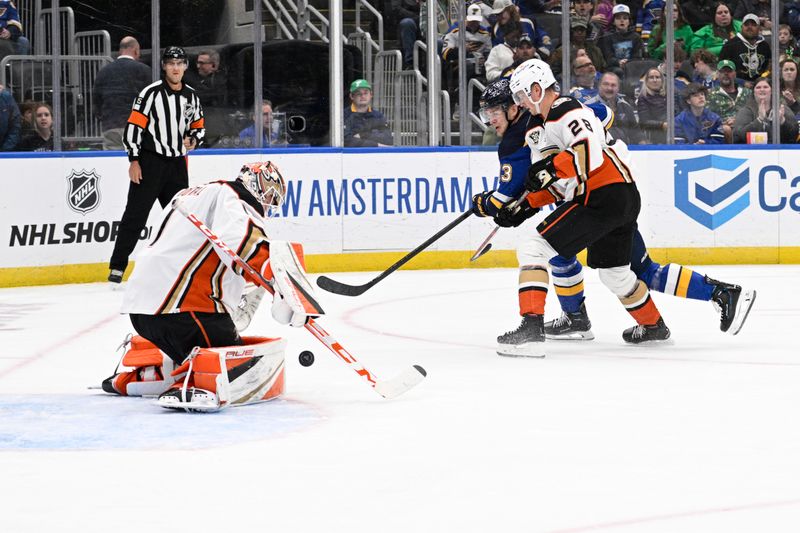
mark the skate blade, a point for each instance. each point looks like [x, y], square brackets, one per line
[574, 336]
[192, 407]
[664, 342]
[743, 306]
[528, 349]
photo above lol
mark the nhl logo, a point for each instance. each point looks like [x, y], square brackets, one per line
[83, 194]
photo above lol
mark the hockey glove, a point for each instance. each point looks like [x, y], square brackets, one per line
[480, 203]
[541, 174]
[511, 218]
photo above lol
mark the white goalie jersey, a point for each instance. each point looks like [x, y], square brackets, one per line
[181, 271]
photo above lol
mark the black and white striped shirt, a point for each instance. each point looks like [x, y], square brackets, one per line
[161, 118]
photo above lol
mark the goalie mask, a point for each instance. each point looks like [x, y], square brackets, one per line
[264, 181]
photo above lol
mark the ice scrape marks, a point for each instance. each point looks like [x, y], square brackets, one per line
[99, 422]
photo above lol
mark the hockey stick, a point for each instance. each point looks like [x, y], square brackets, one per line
[386, 388]
[337, 287]
[486, 245]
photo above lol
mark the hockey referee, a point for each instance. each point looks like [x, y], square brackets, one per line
[165, 123]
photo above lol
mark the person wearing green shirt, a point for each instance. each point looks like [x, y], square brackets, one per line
[714, 35]
[656, 45]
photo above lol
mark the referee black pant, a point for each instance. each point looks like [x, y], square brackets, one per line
[162, 177]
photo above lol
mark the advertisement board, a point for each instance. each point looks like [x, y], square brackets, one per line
[354, 209]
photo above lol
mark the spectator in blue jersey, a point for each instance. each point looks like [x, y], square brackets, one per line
[11, 39]
[364, 126]
[10, 121]
[270, 135]
[697, 125]
[586, 78]
[647, 18]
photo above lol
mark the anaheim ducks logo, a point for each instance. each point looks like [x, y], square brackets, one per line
[83, 193]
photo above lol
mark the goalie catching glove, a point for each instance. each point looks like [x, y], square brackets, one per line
[541, 174]
[511, 217]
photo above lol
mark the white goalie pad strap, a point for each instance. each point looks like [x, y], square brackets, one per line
[535, 250]
[295, 299]
[151, 383]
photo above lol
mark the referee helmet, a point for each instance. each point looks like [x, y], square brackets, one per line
[174, 52]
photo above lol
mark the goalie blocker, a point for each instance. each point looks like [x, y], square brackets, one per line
[209, 380]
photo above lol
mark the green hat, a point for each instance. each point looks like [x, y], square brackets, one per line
[726, 63]
[360, 84]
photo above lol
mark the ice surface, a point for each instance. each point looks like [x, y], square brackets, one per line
[698, 436]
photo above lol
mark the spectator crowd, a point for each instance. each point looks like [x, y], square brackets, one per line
[722, 57]
[722, 52]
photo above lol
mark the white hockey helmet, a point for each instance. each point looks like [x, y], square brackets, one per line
[530, 72]
[264, 181]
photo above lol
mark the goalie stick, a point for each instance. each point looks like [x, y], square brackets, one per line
[337, 287]
[390, 388]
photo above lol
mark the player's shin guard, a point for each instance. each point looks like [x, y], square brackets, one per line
[229, 376]
[146, 370]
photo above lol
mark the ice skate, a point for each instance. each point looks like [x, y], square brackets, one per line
[639, 334]
[733, 304]
[570, 326]
[525, 341]
[192, 399]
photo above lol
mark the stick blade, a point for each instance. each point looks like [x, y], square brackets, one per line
[402, 383]
[481, 252]
[336, 287]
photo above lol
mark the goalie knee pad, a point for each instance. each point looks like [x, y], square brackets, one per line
[217, 378]
[147, 371]
[619, 280]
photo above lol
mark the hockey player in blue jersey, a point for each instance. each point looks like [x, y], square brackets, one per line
[514, 124]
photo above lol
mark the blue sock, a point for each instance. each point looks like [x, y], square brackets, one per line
[568, 281]
[678, 281]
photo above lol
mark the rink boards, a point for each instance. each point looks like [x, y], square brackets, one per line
[362, 209]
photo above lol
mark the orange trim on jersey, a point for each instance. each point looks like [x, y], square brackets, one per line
[204, 291]
[197, 124]
[607, 174]
[202, 329]
[541, 198]
[138, 119]
[556, 221]
[182, 279]
[565, 165]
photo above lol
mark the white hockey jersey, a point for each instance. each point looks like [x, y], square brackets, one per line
[578, 137]
[181, 271]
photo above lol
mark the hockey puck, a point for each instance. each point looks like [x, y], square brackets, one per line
[306, 358]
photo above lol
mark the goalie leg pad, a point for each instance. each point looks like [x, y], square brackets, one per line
[149, 371]
[294, 300]
[230, 376]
